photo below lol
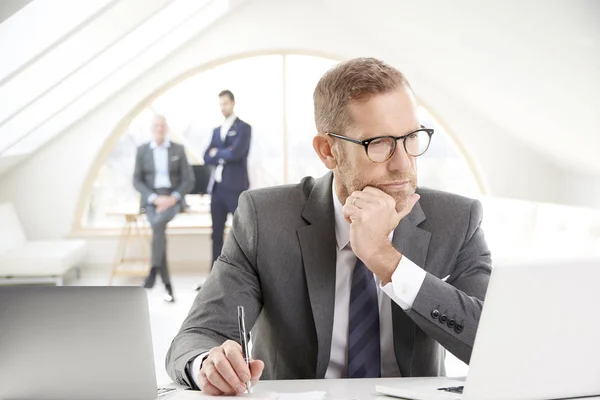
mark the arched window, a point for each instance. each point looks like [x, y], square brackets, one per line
[273, 94]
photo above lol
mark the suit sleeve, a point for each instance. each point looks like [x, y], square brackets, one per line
[460, 298]
[187, 175]
[240, 147]
[233, 281]
[138, 176]
[207, 158]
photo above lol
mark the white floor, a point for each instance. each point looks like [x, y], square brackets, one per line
[166, 318]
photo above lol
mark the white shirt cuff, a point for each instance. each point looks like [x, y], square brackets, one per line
[196, 365]
[151, 198]
[406, 282]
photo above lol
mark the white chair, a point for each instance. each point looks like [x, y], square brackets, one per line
[26, 261]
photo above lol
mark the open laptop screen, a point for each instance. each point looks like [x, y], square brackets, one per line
[79, 343]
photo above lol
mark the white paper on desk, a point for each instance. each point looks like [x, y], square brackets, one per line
[301, 396]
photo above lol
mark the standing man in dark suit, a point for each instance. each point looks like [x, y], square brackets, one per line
[228, 152]
[163, 177]
[360, 273]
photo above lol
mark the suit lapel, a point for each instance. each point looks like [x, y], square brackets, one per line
[318, 248]
[149, 160]
[170, 154]
[409, 239]
[413, 243]
[231, 128]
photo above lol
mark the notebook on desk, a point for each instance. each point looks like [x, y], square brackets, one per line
[75, 343]
[537, 338]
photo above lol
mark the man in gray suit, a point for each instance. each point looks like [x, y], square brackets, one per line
[163, 177]
[356, 274]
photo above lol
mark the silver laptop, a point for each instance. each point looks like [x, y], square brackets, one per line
[75, 343]
[538, 338]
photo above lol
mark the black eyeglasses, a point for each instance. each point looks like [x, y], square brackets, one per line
[381, 148]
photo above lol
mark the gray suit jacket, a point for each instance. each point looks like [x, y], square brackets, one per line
[279, 263]
[180, 172]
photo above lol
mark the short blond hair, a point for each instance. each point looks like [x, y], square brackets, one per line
[357, 79]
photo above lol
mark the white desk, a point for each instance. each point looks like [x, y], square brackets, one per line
[337, 389]
[342, 389]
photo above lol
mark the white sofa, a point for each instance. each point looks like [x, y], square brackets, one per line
[26, 261]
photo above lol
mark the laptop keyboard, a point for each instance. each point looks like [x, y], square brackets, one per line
[454, 389]
[162, 391]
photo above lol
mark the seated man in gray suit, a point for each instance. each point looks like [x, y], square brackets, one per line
[163, 176]
[359, 273]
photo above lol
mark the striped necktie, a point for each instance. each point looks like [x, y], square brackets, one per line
[364, 354]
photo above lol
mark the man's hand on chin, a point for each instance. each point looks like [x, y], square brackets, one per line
[372, 215]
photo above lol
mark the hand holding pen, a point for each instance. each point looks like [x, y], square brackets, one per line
[244, 338]
[227, 371]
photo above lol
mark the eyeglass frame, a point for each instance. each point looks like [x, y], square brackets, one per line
[366, 142]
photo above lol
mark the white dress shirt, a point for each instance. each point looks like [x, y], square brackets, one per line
[224, 129]
[406, 282]
[161, 166]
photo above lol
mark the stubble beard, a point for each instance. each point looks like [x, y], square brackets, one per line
[350, 182]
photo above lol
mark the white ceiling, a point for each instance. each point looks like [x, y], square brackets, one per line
[57, 79]
[9, 7]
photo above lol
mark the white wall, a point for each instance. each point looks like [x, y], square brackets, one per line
[581, 189]
[46, 188]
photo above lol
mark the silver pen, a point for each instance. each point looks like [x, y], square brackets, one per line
[244, 342]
